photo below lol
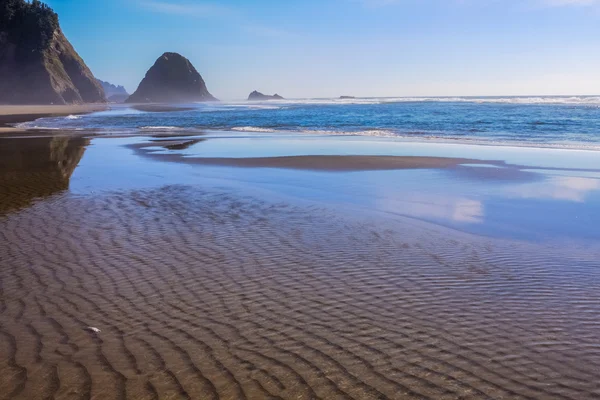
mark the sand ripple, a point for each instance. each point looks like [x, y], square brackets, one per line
[219, 296]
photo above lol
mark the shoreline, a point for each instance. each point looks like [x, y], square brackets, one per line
[16, 114]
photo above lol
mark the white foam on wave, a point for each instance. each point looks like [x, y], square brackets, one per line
[252, 129]
[426, 137]
[29, 126]
[72, 117]
[239, 106]
[161, 128]
[367, 132]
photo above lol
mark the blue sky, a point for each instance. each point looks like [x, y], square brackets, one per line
[328, 48]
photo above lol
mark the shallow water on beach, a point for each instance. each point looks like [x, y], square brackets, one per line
[474, 281]
[483, 199]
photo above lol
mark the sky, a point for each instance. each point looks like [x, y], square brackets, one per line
[328, 48]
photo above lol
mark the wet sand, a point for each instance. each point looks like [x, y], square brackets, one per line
[328, 163]
[204, 293]
[305, 162]
[209, 295]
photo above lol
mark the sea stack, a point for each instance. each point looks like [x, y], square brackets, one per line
[259, 96]
[172, 79]
[38, 65]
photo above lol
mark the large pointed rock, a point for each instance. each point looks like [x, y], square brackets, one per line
[172, 79]
[38, 65]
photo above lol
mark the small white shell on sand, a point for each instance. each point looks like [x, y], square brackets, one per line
[93, 329]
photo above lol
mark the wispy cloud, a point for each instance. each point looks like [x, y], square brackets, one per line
[565, 3]
[378, 3]
[542, 3]
[186, 8]
[265, 31]
[199, 9]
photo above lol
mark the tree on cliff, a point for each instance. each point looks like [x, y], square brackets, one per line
[30, 26]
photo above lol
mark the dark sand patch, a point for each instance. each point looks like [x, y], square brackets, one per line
[212, 295]
[473, 168]
[334, 163]
[306, 162]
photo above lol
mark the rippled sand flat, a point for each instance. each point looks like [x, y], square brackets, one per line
[215, 295]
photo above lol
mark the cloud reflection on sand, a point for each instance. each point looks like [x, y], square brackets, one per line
[449, 208]
[569, 188]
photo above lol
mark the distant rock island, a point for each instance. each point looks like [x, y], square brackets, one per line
[38, 65]
[114, 93]
[347, 97]
[259, 96]
[172, 79]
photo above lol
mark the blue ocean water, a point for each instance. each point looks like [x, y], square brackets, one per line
[572, 122]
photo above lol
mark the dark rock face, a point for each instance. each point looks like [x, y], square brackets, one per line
[259, 96]
[172, 79]
[38, 65]
[114, 93]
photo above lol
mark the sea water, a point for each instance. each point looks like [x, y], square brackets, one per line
[561, 121]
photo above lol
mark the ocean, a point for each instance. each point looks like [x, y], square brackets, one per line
[559, 121]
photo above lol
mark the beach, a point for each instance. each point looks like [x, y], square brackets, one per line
[297, 267]
[340, 200]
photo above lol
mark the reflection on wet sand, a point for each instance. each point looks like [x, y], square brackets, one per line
[569, 188]
[449, 208]
[36, 167]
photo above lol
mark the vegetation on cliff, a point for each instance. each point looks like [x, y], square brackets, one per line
[30, 26]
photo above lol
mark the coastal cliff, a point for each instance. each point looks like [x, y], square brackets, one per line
[255, 95]
[38, 65]
[172, 79]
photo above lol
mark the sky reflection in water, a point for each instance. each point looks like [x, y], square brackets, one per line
[531, 204]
